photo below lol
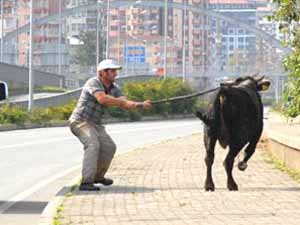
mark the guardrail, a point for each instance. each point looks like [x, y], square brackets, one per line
[55, 100]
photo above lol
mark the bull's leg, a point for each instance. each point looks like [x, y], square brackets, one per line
[210, 142]
[228, 164]
[242, 165]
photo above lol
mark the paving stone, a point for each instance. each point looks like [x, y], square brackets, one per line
[163, 184]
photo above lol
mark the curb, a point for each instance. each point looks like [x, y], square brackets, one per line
[48, 214]
[11, 127]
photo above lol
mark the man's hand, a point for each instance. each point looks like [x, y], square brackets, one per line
[147, 104]
[130, 104]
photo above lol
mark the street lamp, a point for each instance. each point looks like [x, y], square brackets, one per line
[183, 53]
[107, 28]
[59, 37]
[126, 47]
[165, 40]
[31, 75]
[97, 32]
[2, 23]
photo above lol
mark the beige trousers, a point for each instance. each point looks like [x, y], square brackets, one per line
[99, 149]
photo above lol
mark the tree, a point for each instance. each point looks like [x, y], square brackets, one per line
[85, 54]
[288, 14]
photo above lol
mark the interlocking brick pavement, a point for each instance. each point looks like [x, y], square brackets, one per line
[163, 184]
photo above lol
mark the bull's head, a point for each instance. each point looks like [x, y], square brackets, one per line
[258, 83]
[262, 83]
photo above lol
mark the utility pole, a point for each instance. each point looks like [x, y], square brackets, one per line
[184, 37]
[97, 36]
[2, 29]
[59, 37]
[31, 75]
[107, 29]
[126, 49]
[165, 39]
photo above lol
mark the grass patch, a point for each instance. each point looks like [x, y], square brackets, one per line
[57, 220]
[278, 164]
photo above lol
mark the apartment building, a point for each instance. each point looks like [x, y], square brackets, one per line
[8, 22]
[234, 47]
[50, 47]
[268, 57]
[134, 35]
[84, 21]
[146, 27]
[22, 15]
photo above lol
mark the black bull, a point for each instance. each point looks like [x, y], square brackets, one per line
[235, 118]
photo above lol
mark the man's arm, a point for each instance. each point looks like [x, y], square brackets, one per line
[109, 100]
[121, 102]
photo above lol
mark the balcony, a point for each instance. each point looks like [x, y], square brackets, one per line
[154, 11]
[196, 62]
[196, 42]
[197, 1]
[196, 21]
[196, 53]
[196, 31]
[136, 21]
[40, 10]
[135, 11]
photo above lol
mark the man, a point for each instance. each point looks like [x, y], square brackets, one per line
[85, 123]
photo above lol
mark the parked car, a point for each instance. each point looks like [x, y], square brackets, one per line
[3, 91]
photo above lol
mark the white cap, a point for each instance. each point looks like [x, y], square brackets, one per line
[108, 64]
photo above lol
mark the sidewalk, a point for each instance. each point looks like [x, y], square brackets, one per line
[282, 130]
[163, 184]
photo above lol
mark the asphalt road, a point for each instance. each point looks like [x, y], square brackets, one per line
[32, 159]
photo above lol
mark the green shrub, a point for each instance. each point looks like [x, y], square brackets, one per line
[160, 89]
[50, 89]
[138, 91]
[13, 115]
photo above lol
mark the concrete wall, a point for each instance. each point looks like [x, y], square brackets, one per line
[18, 74]
[284, 139]
[289, 155]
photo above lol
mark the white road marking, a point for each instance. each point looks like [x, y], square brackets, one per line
[30, 143]
[34, 188]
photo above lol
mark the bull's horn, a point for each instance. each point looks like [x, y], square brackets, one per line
[258, 79]
[229, 82]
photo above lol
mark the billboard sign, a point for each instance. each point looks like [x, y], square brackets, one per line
[135, 54]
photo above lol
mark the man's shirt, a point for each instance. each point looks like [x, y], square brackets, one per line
[88, 108]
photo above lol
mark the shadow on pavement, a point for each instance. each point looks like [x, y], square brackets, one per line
[24, 207]
[296, 189]
[115, 189]
[258, 189]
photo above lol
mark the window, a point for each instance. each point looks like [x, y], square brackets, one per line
[241, 31]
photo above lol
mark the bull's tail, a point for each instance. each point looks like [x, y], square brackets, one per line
[208, 121]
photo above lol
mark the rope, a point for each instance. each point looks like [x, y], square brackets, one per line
[183, 97]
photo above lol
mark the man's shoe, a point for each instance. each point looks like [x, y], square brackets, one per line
[88, 187]
[105, 181]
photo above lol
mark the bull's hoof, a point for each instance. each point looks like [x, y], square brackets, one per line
[232, 187]
[242, 166]
[209, 187]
